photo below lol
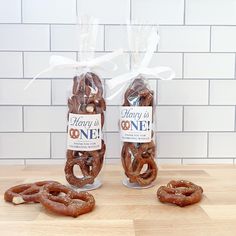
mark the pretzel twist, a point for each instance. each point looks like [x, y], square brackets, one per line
[25, 192]
[87, 98]
[181, 193]
[89, 162]
[135, 156]
[72, 203]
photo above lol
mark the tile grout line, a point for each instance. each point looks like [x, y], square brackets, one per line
[130, 11]
[104, 128]
[207, 144]
[21, 5]
[157, 93]
[184, 16]
[51, 90]
[151, 79]
[209, 89]
[23, 64]
[23, 119]
[117, 132]
[50, 38]
[125, 51]
[50, 147]
[210, 50]
[183, 119]
[235, 66]
[104, 38]
[77, 56]
[235, 105]
[130, 61]
[122, 24]
[234, 118]
[114, 105]
[76, 10]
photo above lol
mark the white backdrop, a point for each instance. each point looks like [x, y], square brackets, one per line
[195, 112]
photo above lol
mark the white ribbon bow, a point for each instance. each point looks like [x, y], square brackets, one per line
[59, 62]
[143, 69]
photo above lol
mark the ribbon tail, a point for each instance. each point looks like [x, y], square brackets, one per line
[105, 58]
[153, 41]
[35, 77]
[165, 69]
[121, 79]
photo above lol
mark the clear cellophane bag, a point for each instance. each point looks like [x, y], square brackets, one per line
[138, 149]
[86, 106]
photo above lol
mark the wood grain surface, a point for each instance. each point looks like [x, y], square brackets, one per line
[123, 211]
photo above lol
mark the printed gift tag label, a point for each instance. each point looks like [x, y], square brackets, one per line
[136, 124]
[84, 132]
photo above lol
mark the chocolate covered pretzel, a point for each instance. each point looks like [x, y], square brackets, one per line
[54, 196]
[24, 193]
[67, 201]
[181, 193]
[87, 98]
[135, 156]
[89, 162]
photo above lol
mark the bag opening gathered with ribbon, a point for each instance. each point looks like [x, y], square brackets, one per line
[138, 150]
[86, 106]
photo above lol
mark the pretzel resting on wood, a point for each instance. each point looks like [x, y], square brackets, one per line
[54, 196]
[72, 203]
[24, 193]
[181, 193]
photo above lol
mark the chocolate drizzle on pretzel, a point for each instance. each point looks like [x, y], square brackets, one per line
[181, 193]
[87, 98]
[135, 156]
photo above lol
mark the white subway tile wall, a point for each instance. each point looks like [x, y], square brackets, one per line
[195, 113]
[169, 118]
[24, 37]
[158, 11]
[209, 65]
[210, 12]
[223, 39]
[10, 11]
[34, 62]
[52, 119]
[11, 119]
[65, 38]
[49, 11]
[182, 92]
[108, 12]
[184, 38]
[24, 145]
[11, 64]
[209, 118]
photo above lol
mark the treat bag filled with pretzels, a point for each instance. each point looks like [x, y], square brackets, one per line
[138, 149]
[86, 106]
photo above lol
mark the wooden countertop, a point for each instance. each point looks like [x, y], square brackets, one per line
[123, 211]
